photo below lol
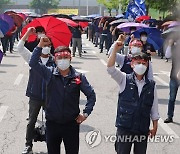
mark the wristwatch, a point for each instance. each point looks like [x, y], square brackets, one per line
[85, 115]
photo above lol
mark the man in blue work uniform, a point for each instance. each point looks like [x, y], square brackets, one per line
[62, 105]
[136, 105]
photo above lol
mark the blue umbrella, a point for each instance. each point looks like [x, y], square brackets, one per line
[8, 19]
[4, 26]
[1, 34]
[154, 36]
[151, 20]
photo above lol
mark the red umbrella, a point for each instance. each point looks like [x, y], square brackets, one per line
[55, 29]
[17, 18]
[22, 15]
[83, 24]
[142, 18]
[68, 22]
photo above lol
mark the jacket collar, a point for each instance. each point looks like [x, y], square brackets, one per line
[144, 78]
[72, 74]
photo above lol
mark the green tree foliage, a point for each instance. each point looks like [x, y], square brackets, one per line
[124, 4]
[162, 5]
[114, 4]
[44, 5]
[107, 4]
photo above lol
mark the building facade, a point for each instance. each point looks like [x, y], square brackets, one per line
[62, 2]
[85, 7]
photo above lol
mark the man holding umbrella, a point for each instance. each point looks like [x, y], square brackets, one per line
[63, 93]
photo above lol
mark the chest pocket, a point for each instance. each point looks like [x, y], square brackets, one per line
[125, 117]
[72, 87]
[128, 97]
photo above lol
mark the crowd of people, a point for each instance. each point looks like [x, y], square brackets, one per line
[55, 85]
[104, 31]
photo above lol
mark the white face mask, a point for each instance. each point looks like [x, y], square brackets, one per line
[63, 64]
[44, 60]
[143, 38]
[46, 50]
[140, 69]
[135, 50]
[41, 35]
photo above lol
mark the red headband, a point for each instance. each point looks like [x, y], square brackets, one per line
[63, 53]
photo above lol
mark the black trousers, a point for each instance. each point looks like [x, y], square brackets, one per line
[5, 40]
[125, 139]
[34, 108]
[68, 133]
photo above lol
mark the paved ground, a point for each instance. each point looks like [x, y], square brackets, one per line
[14, 105]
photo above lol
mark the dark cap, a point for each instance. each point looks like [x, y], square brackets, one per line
[141, 55]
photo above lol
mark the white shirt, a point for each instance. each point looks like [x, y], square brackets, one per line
[120, 78]
[23, 51]
[120, 60]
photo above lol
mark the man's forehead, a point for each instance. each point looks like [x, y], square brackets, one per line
[139, 60]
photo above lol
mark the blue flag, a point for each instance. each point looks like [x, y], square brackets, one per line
[135, 9]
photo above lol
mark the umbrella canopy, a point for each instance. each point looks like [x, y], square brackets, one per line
[174, 24]
[17, 18]
[154, 36]
[126, 26]
[94, 16]
[120, 16]
[150, 20]
[142, 18]
[80, 19]
[173, 30]
[57, 16]
[22, 15]
[119, 21]
[55, 29]
[167, 23]
[4, 27]
[68, 22]
[1, 34]
[9, 12]
[8, 19]
[83, 24]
